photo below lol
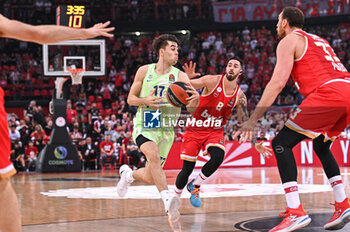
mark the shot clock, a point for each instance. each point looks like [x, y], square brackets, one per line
[71, 16]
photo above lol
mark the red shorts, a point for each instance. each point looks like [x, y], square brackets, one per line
[325, 111]
[194, 141]
[6, 167]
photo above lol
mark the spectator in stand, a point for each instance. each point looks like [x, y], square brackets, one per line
[113, 121]
[107, 151]
[49, 127]
[262, 135]
[106, 95]
[38, 116]
[29, 111]
[93, 114]
[38, 136]
[97, 128]
[76, 135]
[71, 113]
[111, 132]
[15, 136]
[138, 159]
[17, 156]
[123, 154]
[123, 108]
[14, 120]
[89, 153]
[23, 130]
[31, 153]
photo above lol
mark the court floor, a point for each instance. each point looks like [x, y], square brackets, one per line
[233, 199]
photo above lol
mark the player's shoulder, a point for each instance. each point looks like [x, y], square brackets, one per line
[143, 68]
[212, 78]
[142, 71]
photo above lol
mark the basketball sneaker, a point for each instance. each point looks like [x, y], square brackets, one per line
[194, 199]
[293, 219]
[172, 204]
[340, 217]
[123, 184]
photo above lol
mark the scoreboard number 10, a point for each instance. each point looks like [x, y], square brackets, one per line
[75, 15]
[71, 16]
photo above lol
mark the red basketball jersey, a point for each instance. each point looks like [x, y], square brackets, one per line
[317, 65]
[216, 105]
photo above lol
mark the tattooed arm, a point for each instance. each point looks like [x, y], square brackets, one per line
[243, 116]
[242, 112]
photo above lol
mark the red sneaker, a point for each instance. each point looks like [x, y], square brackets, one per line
[340, 217]
[293, 219]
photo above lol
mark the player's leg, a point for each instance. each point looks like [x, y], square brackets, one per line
[10, 217]
[182, 177]
[153, 167]
[217, 155]
[282, 144]
[190, 148]
[342, 206]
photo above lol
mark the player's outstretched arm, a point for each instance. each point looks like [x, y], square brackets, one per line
[243, 116]
[190, 71]
[280, 76]
[50, 33]
[134, 93]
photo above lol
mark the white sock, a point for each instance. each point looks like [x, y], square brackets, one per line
[338, 188]
[178, 192]
[292, 194]
[199, 179]
[165, 194]
[129, 177]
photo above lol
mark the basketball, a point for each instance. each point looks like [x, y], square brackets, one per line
[177, 94]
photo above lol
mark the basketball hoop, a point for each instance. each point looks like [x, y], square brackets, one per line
[76, 75]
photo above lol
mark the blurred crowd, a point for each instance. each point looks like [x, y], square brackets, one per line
[98, 108]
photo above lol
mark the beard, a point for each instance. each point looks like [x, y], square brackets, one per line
[281, 34]
[231, 77]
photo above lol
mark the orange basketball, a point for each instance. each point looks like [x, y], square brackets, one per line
[177, 94]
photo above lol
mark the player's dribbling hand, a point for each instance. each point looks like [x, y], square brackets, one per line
[100, 29]
[193, 100]
[193, 92]
[152, 101]
[190, 70]
[265, 151]
[246, 131]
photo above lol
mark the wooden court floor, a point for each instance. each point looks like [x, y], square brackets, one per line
[235, 199]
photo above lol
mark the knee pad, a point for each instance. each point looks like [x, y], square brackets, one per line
[217, 155]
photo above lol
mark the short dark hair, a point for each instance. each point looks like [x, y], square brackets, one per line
[162, 41]
[238, 59]
[294, 16]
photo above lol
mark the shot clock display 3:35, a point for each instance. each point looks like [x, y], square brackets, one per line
[71, 16]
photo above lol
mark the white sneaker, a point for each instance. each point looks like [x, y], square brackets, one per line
[172, 205]
[123, 184]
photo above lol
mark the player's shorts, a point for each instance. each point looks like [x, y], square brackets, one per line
[163, 138]
[6, 167]
[325, 111]
[195, 141]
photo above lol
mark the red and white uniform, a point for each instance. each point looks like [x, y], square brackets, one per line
[215, 106]
[6, 167]
[324, 81]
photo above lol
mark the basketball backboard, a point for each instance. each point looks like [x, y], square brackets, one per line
[89, 55]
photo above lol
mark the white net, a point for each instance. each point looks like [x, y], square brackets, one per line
[76, 75]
